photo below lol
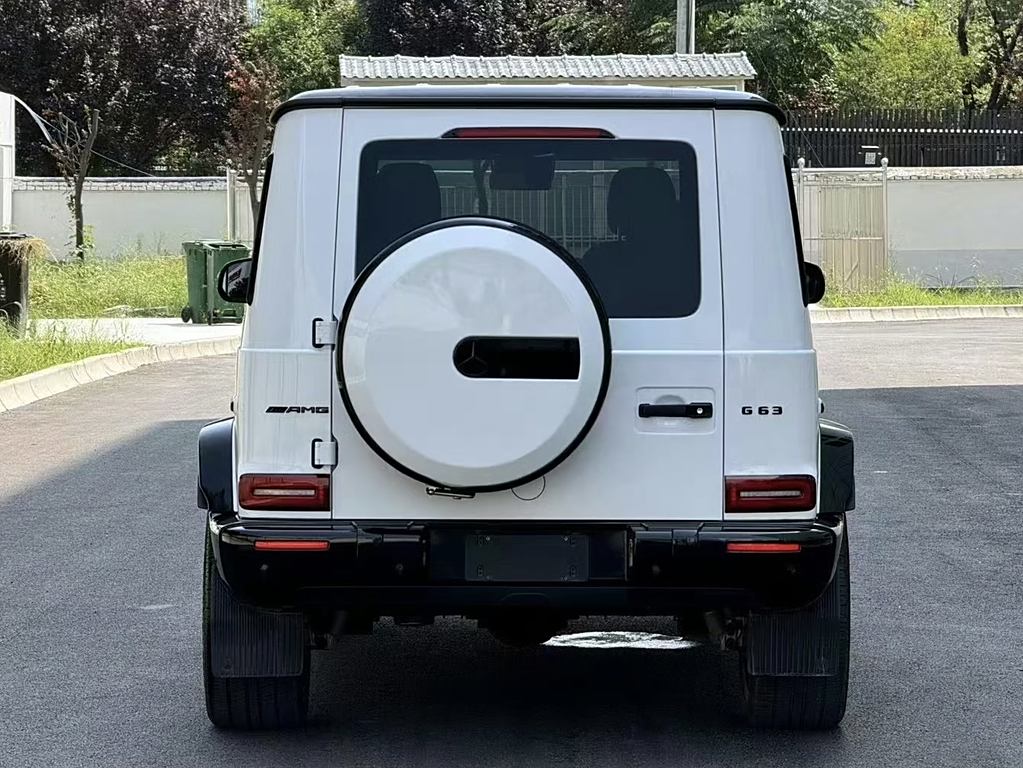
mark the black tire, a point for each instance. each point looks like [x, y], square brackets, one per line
[804, 702]
[186, 314]
[247, 703]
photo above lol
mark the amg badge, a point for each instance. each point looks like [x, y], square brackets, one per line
[298, 409]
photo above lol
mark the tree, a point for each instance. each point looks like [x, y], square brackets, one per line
[156, 69]
[71, 148]
[793, 44]
[1001, 43]
[255, 93]
[617, 26]
[466, 27]
[913, 61]
[301, 40]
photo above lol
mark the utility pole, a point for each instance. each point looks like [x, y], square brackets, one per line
[685, 26]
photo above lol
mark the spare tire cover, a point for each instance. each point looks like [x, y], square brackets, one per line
[473, 354]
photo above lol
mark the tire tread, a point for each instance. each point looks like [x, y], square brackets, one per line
[806, 702]
[249, 703]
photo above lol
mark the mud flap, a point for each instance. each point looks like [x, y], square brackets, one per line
[253, 642]
[804, 643]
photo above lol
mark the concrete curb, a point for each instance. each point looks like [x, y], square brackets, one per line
[23, 390]
[897, 314]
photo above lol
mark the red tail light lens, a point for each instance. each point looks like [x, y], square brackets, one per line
[291, 545]
[528, 133]
[285, 492]
[762, 547]
[787, 493]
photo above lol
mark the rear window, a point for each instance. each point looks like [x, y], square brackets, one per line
[626, 210]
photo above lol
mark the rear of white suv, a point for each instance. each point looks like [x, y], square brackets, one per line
[526, 354]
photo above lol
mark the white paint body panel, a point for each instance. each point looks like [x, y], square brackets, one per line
[769, 356]
[668, 471]
[277, 364]
[748, 343]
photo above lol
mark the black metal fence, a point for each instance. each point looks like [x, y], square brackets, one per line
[907, 137]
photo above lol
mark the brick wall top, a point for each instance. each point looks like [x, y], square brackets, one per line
[127, 184]
[848, 175]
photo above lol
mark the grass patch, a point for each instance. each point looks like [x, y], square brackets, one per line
[35, 351]
[154, 287]
[901, 293]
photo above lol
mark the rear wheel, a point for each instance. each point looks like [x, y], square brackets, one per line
[252, 702]
[795, 665]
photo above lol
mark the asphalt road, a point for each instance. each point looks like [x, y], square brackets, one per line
[100, 550]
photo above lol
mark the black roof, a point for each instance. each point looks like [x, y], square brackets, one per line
[572, 96]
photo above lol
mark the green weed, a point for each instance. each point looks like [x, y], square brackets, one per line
[140, 286]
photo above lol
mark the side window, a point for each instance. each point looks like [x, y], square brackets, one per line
[258, 236]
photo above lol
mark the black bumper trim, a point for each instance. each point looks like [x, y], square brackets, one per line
[635, 568]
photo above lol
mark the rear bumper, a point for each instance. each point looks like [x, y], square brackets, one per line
[631, 568]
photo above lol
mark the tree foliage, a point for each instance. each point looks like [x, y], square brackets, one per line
[302, 40]
[913, 61]
[255, 93]
[155, 68]
[994, 29]
[465, 27]
[616, 26]
[791, 43]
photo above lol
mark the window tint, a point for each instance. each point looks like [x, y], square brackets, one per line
[626, 210]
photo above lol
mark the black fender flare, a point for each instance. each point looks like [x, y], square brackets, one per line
[216, 469]
[837, 475]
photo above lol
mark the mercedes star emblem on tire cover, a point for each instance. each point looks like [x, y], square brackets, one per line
[473, 354]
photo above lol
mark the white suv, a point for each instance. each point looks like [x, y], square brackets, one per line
[523, 354]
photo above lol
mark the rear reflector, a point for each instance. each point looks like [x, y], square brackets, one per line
[284, 545]
[528, 133]
[787, 493]
[285, 492]
[754, 546]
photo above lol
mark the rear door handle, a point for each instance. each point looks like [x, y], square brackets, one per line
[676, 410]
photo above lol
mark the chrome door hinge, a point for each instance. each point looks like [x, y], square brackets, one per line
[324, 332]
[324, 453]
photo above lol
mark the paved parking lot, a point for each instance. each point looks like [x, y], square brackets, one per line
[100, 580]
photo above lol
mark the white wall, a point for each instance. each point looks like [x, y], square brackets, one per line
[945, 225]
[129, 216]
[957, 226]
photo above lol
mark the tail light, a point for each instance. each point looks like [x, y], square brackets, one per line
[786, 493]
[285, 492]
[291, 545]
[528, 133]
[755, 547]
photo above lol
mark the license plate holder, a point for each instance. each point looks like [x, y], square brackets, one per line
[527, 558]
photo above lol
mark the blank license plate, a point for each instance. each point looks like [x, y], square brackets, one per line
[527, 557]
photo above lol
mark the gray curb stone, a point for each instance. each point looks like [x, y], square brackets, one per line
[23, 390]
[896, 314]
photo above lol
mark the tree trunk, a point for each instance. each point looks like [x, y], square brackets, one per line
[252, 177]
[962, 35]
[82, 170]
[76, 209]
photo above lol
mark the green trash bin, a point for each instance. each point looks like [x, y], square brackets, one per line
[203, 261]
